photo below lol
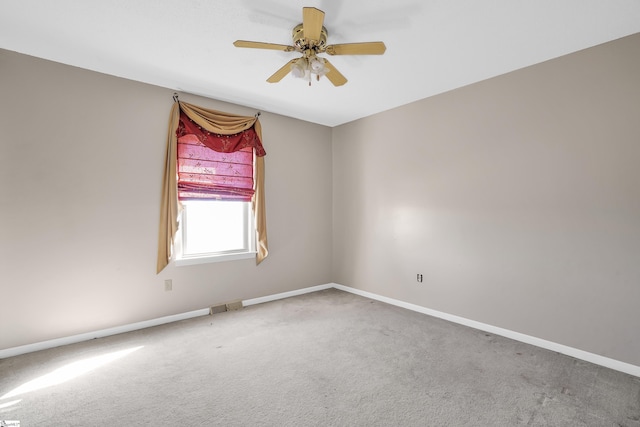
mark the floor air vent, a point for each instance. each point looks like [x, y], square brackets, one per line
[225, 307]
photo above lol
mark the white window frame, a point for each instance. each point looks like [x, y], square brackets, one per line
[249, 251]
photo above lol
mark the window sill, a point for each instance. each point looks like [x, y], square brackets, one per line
[214, 258]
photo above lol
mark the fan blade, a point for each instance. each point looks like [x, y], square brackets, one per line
[312, 20]
[279, 75]
[368, 48]
[334, 75]
[260, 45]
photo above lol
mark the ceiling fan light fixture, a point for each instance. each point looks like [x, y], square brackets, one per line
[299, 68]
[317, 65]
[307, 67]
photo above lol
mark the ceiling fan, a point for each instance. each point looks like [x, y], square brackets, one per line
[310, 39]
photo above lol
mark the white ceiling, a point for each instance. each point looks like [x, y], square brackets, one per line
[432, 45]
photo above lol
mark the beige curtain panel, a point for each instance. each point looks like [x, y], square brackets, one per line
[215, 122]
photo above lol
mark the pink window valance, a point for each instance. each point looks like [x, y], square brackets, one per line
[218, 142]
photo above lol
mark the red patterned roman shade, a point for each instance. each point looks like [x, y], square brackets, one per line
[215, 166]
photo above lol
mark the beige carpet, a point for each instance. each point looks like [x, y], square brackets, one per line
[324, 359]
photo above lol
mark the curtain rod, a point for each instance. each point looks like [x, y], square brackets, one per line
[175, 99]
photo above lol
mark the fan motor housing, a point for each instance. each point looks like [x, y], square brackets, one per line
[299, 39]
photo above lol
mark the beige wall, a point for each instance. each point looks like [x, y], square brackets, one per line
[517, 198]
[81, 161]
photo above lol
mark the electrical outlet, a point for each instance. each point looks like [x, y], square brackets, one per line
[419, 278]
[168, 285]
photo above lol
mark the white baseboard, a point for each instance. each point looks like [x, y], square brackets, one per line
[43, 345]
[538, 342]
[286, 294]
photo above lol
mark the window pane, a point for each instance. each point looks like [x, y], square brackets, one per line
[214, 226]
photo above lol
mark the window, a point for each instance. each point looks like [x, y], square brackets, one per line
[213, 230]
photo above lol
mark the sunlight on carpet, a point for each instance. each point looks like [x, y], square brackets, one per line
[69, 372]
[11, 403]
